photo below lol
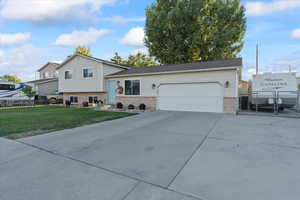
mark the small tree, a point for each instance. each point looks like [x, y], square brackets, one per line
[12, 78]
[27, 90]
[118, 59]
[135, 61]
[83, 50]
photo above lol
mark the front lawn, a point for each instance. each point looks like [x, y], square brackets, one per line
[17, 123]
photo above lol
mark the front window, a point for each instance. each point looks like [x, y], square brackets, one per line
[132, 87]
[68, 75]
[73, 99]
[87, 73]
[93, 99]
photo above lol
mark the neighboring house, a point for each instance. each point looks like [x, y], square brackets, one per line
[47, 84]
[81, 79]
[203, 86]
[243, 88]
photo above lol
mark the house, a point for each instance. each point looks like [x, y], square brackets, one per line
[82, 79]
[47, 84]
[203, 86]
[243, 88]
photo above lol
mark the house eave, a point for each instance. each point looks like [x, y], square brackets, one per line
[175, 72]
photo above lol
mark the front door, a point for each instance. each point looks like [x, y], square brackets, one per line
[111, 92]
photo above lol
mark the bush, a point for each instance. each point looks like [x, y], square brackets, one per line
[85, 104]
[68, 103]
[119, 105]
[142, 106]
[131, 107]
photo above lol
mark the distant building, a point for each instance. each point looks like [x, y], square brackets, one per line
[47, 84]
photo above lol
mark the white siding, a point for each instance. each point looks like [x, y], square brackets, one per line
[80, 84]
[214, 76]
[50, 69]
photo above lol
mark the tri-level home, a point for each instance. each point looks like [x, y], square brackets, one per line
[82, 79]
[47, 83]
[201, 86]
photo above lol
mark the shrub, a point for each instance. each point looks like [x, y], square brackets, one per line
[131, 107]
[142, 106]
[85, 104]
[119, 105]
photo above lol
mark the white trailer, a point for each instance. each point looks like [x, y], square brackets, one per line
[271, 89]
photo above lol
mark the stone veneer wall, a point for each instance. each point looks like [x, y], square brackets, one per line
[85, 96]
[231, 105]
[150, 102]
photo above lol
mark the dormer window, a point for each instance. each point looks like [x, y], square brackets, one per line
[68, 75]
[88, 73]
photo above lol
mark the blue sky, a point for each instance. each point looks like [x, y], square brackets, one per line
[33, 32]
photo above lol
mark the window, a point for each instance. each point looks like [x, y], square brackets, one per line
[87, 73]
[93, 99]
[73, 99]
[132, 87]
[7, 87]
[68, 75]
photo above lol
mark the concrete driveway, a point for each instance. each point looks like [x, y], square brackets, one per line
[158, 156]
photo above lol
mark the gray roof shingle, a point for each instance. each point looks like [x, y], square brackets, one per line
[237, 62]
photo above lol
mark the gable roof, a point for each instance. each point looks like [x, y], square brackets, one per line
[197, 66]
[91, 58]
[46, 65]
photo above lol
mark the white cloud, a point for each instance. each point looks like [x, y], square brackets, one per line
[123, 20]
[22, 61]
[43, 10]
[296, 34]
[135, 37]
[259, 8]
[77, 38]
[12, 39]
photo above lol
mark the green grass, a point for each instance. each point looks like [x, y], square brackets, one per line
[17, 123]
[21, 107]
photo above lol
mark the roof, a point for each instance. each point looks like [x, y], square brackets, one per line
[43, 80]
[197, 66]
[91, 58]
[53, 63]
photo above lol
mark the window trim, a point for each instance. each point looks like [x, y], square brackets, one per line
[133, 79]
[70, 73]
[88, 68]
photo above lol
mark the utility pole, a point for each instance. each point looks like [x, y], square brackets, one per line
[256, 59]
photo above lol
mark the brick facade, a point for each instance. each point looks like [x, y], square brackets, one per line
[150, 102]
[84, 96]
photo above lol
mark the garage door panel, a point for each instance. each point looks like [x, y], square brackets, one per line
[191, 97]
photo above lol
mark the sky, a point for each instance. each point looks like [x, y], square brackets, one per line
[34, 32]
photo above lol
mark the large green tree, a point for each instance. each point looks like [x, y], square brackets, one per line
[135, 60]
[182, 31]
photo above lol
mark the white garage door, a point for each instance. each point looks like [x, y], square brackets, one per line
[194, 97]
